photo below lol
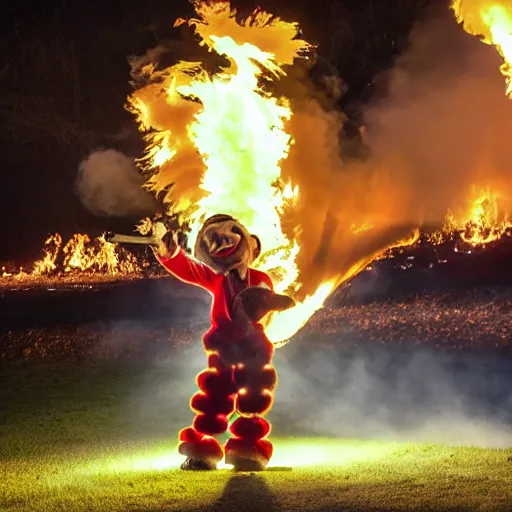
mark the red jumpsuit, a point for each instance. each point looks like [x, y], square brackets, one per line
[239, 376]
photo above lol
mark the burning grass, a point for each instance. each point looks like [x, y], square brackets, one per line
[68, 444]
[83, 261]
[79, 260]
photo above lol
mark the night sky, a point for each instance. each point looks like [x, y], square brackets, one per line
[64, 79]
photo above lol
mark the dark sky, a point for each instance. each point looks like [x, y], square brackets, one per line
[64, 79]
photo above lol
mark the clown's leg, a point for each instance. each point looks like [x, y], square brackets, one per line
[248, 449]
[213, 403]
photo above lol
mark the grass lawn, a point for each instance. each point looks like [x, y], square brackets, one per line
[67, 443]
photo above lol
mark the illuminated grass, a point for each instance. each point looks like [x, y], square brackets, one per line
[65, 446]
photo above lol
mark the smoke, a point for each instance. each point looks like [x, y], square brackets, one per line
[347, 391]
[109, 183]
[328, 385]
[445, 120]
[437, 138]
[371, 284]
[395, 393]
[439, 130]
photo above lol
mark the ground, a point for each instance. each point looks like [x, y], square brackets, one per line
[69, 444]
[400, 404]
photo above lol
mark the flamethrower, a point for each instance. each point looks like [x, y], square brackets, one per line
[116, 238]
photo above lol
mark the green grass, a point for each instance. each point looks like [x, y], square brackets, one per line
[70, 443]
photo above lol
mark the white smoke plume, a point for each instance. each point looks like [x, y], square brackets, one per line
[110, 184]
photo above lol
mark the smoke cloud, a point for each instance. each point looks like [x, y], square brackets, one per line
[110, 184]
[445, 119]
[440, 128]
[392, 392]
[346, 391]
[437, 138]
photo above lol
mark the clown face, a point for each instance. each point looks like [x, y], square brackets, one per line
[224, 244]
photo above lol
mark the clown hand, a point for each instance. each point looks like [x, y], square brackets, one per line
[168, 246]
[256, 302]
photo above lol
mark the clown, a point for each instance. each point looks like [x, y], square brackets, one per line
[240, 377]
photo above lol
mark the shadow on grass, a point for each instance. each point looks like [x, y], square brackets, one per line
[243, 492]
[247, 492]
[251, 493]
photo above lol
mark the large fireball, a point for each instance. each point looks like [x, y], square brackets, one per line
[225, 142]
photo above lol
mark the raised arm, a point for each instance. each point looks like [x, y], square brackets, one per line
[182, 266]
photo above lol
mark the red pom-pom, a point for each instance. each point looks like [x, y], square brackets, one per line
[256, 352]
[215, 341]
[250, 429]
[268, 378]
[239, 448]
[265, 448]
[255, 380]
[206, 379]
[214, 382]
[207, 449]
[210, 425]
[190, 435]
[212, 404]
[214, 361]
[252, 403]
[240, 376]
[265, 349]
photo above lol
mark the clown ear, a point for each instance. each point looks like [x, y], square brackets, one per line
[257, 245]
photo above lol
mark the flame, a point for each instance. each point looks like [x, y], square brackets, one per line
[492, 21]
[51, 250]
[217, 142]
[79, 255]
[238, 135]
[484, 221]
[283, 325]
